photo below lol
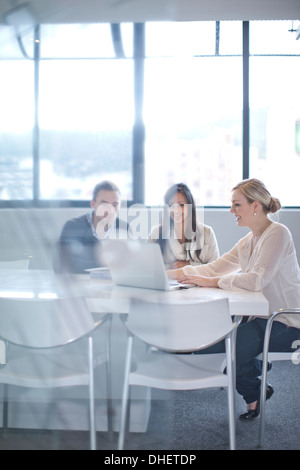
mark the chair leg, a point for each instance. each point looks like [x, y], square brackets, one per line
[2, 353]
[5, 407]
[263, 390]
[108, 379]
[230, 392]
[92, 395]
[125, 395]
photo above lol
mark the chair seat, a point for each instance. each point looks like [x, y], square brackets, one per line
[44, 370]
[181, 371]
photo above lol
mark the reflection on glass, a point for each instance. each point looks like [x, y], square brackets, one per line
[17, 295]
[47, 295]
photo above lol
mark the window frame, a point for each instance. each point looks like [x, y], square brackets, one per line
[138, 131]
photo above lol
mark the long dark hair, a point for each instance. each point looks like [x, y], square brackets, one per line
[191, 229]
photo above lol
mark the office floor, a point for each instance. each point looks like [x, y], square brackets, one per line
[188, 421]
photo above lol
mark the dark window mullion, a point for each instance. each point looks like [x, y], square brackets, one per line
[246, 113]
[36, 127]
[138, 145]
[217, 42]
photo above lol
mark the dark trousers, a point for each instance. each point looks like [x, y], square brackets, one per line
[250, 341]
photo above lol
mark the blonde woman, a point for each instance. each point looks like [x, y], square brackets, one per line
[264, 260]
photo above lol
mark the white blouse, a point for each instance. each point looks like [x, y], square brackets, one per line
[272, 268]
[181, 251]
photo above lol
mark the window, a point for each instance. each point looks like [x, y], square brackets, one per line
[85, 127]
[81, 103]
[86, 111]
[16, 122]
[193, 111]
[275, 108]
[86, 103]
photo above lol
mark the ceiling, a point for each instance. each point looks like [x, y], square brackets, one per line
[117, 11]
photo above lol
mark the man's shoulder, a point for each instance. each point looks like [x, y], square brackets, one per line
[75, 225]
[77, 221]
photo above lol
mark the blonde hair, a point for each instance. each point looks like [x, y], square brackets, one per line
[255, 190]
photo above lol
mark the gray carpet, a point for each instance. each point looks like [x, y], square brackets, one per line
[193, 420]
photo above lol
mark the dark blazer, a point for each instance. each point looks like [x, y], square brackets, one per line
[77, 248]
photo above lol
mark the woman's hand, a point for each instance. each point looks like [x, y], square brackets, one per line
[179, 264]
[174, 273]
[200, 281]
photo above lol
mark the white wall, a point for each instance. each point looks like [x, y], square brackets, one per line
[35, 231]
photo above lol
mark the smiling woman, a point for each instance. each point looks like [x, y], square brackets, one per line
[252, 203]
[182, 238]
[264, 260]
[252, 199]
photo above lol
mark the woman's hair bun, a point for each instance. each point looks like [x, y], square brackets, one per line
[274, 205]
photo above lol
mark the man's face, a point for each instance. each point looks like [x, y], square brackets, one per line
[106, 207]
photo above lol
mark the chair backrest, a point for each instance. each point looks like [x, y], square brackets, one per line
[15, 264]
[184, 326]
[44, 323]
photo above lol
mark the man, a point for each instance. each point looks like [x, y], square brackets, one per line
[79, 245]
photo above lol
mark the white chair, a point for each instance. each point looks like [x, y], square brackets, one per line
[271, 356]
[174, 328]
[32, 329]
[15, 264]
[11, 264]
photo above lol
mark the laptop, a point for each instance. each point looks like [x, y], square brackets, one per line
[136, 264]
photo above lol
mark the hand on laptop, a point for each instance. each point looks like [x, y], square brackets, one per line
[200, 281]
[174, 273]
[179, 264]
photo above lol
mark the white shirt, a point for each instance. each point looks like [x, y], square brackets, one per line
[272, 268]
[181, 251]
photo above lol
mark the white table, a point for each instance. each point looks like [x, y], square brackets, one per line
[102, 296]
[117, 298]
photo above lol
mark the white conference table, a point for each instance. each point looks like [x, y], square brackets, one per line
[102, 297]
